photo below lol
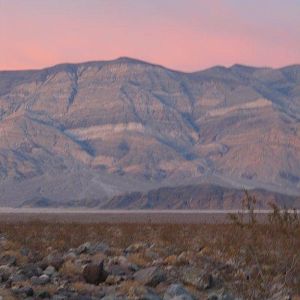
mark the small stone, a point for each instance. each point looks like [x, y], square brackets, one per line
[151, 276]
[143, 293]
[5, 273]
[43, 264]
[149, 253]
[84, 248]
[119, 266]
[222, 296]
[30, 270]
[43, 294]
[101, 247]
[202, 280]
[175, 291]
[212, 297]
[135, 248]
[94, 273]
[8, 260]
[113, 280]
[42, 280]
[27, 291]
[117, 270]
[17, 277]
[50, 270]
[170, 260]
[55, 260]
[71, 255]
[183, 297]
[112, 297]
[24, 251]
[59, 297]
[184, 258]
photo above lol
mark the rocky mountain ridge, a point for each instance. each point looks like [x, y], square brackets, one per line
[99, 129]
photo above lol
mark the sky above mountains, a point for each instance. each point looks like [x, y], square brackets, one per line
[180, 34]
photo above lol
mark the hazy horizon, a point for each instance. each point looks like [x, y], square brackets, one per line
[146, 62]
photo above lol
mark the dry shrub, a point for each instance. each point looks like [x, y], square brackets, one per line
[267, 252]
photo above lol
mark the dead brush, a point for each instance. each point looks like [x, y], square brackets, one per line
[268, 252]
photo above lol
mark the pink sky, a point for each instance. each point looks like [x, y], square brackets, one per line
[180, 34]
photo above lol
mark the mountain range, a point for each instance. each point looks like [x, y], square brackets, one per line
[94, 133]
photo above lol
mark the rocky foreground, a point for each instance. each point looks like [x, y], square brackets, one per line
[158, 262]
[96, 271]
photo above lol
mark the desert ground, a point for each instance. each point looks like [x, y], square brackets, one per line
[118, 255]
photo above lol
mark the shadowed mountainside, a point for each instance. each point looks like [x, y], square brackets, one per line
[91, 131]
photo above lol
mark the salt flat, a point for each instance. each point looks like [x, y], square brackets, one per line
[120, 216]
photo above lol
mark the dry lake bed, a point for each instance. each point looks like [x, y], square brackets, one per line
[120, 216]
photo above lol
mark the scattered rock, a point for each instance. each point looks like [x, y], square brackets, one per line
[177, 290]
[5, 273]
[170, 260]
[76, 274]
[151, 276]
[143, 293]
[184, 258]
[17, 277]
[182, 297]
[84, 248]
[50, 270]
[43, 294]
[30, 270]
[113, 279]
[24, 251]
[101, 247]
[41, 280]
[25, 291]
[94, 273]
[135, 248]
[55, 260]
[43, 264]
[8, 260]
[221, 296]
[200, 280]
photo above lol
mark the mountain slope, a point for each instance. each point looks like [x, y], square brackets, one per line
[204, 196]
[138, 126]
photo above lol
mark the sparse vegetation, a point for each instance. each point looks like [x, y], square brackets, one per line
[249, 258]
